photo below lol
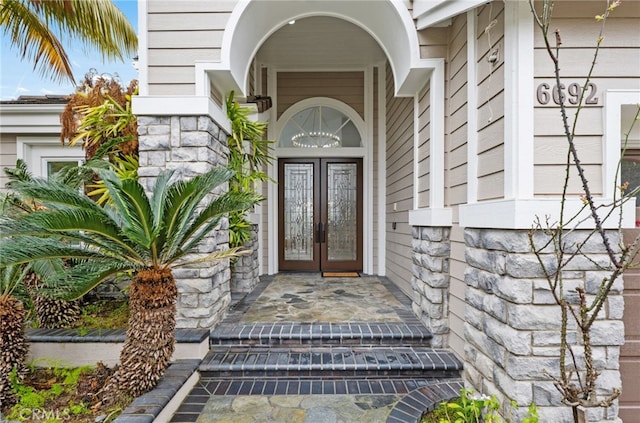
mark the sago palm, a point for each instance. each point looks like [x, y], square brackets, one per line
[50, 312]
[146, 236]
[13, 342]
[35, 27]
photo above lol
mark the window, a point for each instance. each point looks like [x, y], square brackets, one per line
[320, 127]
[46, 155]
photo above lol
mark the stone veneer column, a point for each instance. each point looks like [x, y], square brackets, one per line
[192, 145]
[246, 274]
[512, 323]
[430, 281]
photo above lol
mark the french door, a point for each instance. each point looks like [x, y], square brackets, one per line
[320, 214]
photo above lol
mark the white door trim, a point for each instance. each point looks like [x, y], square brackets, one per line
[366, 153]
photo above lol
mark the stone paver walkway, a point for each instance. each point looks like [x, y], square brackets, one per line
[306, 349]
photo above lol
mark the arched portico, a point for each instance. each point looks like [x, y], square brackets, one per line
[388, 22]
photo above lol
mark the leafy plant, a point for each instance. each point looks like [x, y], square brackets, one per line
[249, 153]
[59, 381]
[473, 408]
[148, 236]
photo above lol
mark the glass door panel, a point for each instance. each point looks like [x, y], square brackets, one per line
[342, 216]
[298, 211]
[320, 214]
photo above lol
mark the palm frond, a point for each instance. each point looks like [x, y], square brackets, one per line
[209, 218]
[182, 200]
[131, 202]
[27, 249]
[31, 36]
[53, 193]
[97, 23]
[158, 197]
[72, 225]
[11, 278]
[19, 173]
[81, 278]
[215, 256]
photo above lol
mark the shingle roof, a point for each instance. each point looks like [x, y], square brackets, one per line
[38, 99]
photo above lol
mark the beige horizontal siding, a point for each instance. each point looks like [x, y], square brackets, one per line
[549, 122]
[433, 42]
[548, 179]
[8, 156]
[172, 75]
[399, 158]
[173, 21]
[489, 36]
[188, 6]
[185, 39]
[347, 87]
[549, 149]
[491, 187]
[424, 153]
[183, 57]
[456, 120]
[617, 67]
[590, 8]
[457, 287]
[179, 33]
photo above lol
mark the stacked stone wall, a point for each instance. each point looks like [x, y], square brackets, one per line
[430, 281]
[512, 329]
[245, 273]
[191, 145]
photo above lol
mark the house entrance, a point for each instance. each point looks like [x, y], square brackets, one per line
[320, 214]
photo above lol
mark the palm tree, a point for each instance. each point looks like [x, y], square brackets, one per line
[146, 236]
[13, 342]
[34, 27]
[50, 312]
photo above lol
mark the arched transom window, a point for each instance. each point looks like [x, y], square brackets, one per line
[320, 127]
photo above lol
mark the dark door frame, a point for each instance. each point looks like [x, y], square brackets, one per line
[320, 260]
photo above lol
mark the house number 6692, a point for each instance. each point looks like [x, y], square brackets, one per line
[571, 93]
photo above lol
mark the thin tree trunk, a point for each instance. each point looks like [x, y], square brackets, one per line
[150, 337]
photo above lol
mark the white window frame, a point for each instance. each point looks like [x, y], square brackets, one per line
[37, 152]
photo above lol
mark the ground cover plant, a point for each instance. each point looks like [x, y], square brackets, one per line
[55, 394]
[471, 407]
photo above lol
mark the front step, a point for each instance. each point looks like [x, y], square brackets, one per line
[396, 334]
[330, 362]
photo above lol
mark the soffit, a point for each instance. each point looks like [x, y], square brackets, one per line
[320, 42]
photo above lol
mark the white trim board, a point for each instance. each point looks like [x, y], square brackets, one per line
[522, 213]
[614, 100]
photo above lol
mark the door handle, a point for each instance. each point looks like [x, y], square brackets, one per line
[321, 233]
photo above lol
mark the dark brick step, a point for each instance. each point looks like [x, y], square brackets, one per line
[290, 334]
[298, 386]
[331, 362]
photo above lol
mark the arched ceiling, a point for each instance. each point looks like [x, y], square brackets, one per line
[320, 42]
[388, 24]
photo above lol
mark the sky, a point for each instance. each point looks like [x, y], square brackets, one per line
[19, 78]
